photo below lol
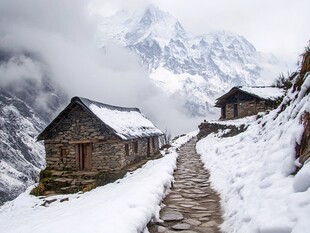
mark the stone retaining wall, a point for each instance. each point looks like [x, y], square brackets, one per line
[206, 128]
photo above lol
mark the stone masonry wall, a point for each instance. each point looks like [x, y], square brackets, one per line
[79, 125]
[247, 108]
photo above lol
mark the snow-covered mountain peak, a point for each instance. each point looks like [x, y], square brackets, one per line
[173, 55]
[149, 24]
[153, 14]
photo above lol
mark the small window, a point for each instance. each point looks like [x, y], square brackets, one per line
[63, 152]
[127, 149]
[135, 147]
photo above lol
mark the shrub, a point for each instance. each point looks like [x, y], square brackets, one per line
[38, 191]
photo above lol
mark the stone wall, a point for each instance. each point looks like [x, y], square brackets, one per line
[108, 152]
[247, 108]
[206, 128]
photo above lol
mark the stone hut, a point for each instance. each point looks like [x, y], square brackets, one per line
[96, 137]
[247, 101]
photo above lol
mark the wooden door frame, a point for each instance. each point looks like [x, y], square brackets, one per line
[85, 154]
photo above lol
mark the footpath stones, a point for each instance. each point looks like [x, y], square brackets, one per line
[192, 206]
[181, 226]
[171, 215]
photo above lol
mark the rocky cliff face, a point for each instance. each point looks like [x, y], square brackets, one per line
[197, 67]
[26, 106]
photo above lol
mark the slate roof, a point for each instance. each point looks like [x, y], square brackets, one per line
[126, 123]
[263, 93]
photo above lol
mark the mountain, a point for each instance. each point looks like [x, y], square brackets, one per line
[26, 106]
[197, 67]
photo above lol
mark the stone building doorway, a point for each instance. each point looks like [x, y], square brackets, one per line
[224, 112]
[83, 156]
[235, 110]
[148, 147]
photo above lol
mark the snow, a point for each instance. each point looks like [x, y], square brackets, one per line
[302, 179]
[127, 124]
[21, 157]
[126, 205]
[271, 93]
[252, 172]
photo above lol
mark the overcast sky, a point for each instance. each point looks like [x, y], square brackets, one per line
[60, 33]
[277, 26]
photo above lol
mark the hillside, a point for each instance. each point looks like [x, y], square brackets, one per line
[263, 174]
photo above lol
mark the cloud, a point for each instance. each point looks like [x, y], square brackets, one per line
[59, 38]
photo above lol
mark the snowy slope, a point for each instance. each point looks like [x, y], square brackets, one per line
[253, 170]
[126, 205]
[197, 67]
[21, 158]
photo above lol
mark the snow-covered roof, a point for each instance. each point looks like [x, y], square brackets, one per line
[265, 93]
[126, 123]
[268, 93]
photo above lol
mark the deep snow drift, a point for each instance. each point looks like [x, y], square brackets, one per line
[253, 170]
[126, 205]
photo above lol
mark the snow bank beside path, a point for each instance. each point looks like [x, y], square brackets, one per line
[252, 172]
[124, 206]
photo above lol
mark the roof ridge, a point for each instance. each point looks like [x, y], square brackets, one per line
[259, 86]
[87, 102]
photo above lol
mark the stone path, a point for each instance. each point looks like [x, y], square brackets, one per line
[192, 206]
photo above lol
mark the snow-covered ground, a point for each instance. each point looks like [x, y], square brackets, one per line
[126, 205]
[253, 171]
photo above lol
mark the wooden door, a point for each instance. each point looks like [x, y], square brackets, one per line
[148, 147]
[224, 112]
[235, 110]
[83, 156]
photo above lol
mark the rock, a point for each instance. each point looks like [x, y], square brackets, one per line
[205, 229]
[47, 202]
[199, 208]
[161, 229]
[210, 224]
[201, 215]
[185, 231]
[64, 199]
[187, 205]
[192, 222]
[181, 226]
[172, 216]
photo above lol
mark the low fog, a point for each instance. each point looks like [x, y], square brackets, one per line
[57, 39]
